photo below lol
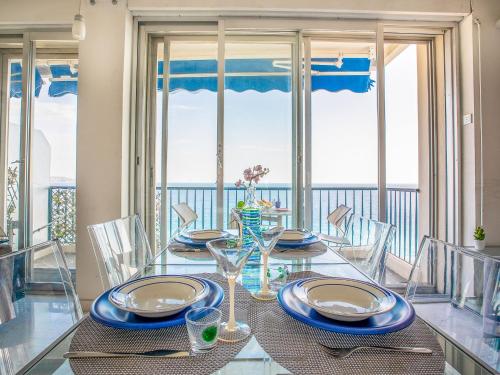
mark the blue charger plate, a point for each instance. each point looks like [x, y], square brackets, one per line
[305, 242]
[401, 316]
[104, 312]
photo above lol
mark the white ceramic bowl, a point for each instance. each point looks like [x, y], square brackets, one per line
[295, 235]
[347, 300]
[205, 234]
[158, 296]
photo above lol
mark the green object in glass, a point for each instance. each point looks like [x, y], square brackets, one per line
[209, 334]
[240, 204]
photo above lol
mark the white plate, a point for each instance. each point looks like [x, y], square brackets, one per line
[158, 296]
[295, 235]
[347, 300]
[205, 235]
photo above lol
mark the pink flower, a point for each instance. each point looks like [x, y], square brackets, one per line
[238, 183]
[258, 168]
[256, 179]
[247, 174]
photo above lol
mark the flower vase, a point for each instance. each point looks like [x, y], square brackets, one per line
[251, 218]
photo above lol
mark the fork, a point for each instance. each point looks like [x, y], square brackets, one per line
[345, 352]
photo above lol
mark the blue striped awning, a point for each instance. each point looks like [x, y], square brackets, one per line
[260, 75]
[264, 75]
[16, 78]
[61, 80]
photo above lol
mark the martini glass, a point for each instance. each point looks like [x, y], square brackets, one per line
[266, 242]
[231, 255]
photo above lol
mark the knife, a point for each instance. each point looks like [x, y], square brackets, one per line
[160, 353]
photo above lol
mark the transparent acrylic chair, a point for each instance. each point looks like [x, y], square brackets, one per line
[38, 303]
[366, 244]
[339, 219]
[121, 248]
[456, 290]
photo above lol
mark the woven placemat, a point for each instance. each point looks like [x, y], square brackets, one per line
[92, 336]
[294, 345]
[310, 251]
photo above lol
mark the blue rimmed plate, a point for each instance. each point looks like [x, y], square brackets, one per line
[344, 299]
[199, 238]
[399, 317]
[104, 312]
[296, 235]
[158, 296]
[302, 243]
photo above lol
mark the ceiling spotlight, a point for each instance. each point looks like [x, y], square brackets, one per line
[79, 29]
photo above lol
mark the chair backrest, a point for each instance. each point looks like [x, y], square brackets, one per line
[121, 248]
[38, 303]
[452, 284]
[186, 214]
[337, 216]
[444, 271]
[366, 244]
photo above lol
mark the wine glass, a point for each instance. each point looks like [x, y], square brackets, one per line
[231, 255]
[266, 242]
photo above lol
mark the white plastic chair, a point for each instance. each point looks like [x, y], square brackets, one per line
[38, 303]
[186, 214]
[121, 248]
[366, 245]
[338, 218]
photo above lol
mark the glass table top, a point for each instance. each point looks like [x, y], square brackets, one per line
[252, 359]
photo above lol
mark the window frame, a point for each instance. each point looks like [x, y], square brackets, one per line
[303, 30]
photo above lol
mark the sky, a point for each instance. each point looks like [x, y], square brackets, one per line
[258, 131]
[258, 128]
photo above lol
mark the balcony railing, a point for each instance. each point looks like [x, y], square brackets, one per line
[402, 209]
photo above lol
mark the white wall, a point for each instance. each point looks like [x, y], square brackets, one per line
[480, 57]
[360, 8]
[488, 12]
[103, 107]
[32, 12]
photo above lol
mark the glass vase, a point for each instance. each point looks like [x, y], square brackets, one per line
[251, 217]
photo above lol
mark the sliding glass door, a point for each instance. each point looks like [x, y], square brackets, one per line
[186, 132]
[11, 99]
[53, 148]
[257, 130]
[258, 120]
[39, 82]
[342, 141]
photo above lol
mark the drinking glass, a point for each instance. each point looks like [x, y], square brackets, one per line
[278, 276]
[203, 325]
[231, 255]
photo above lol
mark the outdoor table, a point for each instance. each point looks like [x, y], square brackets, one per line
[251, 358]
[275, 215]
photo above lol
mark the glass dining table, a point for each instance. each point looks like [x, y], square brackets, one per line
[252, 359]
